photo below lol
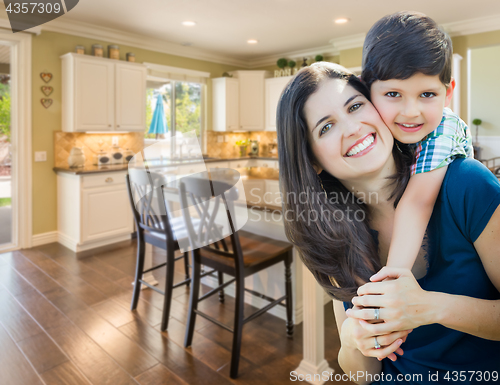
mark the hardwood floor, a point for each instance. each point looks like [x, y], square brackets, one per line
[65, 320]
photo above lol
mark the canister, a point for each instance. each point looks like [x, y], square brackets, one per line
[114, 52]
[97, 50]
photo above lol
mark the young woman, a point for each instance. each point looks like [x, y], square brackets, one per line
[334, 147]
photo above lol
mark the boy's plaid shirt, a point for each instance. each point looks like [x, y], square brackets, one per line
[450, 140]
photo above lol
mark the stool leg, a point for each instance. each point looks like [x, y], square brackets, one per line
[288, 291]
[193, 299]
[186, 266]
[221, 281]
[169, 283]
[141, 251]
[238, 326]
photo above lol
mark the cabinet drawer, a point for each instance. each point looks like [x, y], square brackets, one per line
[267, 163]
[235, 164]
[105, 179]
[217, 165]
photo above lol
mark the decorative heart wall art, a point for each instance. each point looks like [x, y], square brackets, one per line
[47, 90]
[46, 102]
[46, 76]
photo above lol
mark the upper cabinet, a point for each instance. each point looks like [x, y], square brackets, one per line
[238, 102]
[274, 88]
[225, 100]
[100, 94]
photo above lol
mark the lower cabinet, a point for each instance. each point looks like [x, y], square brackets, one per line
[93, 210]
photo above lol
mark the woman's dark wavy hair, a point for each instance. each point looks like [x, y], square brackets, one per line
[341, 254]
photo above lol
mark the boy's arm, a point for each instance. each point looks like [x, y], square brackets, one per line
[412, 216]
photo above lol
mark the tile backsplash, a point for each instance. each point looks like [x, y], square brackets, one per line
[92, 144]
[229, 149]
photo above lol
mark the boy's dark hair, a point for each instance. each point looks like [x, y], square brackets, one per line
[403, 44]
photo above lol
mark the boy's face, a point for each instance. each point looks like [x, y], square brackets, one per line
[412, 108]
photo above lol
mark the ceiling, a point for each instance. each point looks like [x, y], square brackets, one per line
[281, 26]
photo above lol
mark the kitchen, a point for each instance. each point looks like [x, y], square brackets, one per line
[69, 277]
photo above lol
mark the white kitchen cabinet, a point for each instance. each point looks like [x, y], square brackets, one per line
[225, 96]
[274, 88]
[251, 99]
[238, 102]
[93, 210]
[267, 163]
[243, 163]
[100, 94]
[212, 166]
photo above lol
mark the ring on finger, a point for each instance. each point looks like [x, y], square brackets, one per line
[377, 345]
[377, 314]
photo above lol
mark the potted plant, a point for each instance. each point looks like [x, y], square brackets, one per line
[475, 145]
[243, 143]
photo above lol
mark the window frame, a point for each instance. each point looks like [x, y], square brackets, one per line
[172, 123]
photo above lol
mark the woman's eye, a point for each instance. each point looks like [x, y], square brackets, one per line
[393, 94]
[355, 107]
[325, 129]
[428, 94]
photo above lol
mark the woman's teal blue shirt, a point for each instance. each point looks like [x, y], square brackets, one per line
[434, 354]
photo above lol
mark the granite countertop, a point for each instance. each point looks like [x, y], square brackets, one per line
[124, 167]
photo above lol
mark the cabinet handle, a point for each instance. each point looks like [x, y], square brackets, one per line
[109, 125]
[264, 165]
[109, 180]
[118, 125]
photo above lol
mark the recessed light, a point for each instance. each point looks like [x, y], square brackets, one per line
[341, 20]
[252, 41]
[188, 23]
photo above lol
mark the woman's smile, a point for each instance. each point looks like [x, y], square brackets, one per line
[362, 146]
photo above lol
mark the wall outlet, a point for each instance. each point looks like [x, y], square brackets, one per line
[114, 141]
[258, 138]
[226, 138]
[220, 139]
[40, 156]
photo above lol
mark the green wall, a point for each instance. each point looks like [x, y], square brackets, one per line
[46, 51]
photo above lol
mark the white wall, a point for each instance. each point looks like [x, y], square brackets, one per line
[485, 97]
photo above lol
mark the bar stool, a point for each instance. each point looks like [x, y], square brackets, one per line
[239, 254]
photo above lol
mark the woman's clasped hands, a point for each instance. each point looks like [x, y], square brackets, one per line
[385, 311]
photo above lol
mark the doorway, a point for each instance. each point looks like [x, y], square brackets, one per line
[6, 222]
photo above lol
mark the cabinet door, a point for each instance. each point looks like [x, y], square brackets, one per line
[251, 100]
[94, 95]
[232, 105]
[274, 88]
[106, 212]
[225, 104]
[130, 97]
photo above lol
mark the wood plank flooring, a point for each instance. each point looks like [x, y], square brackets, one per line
[67, 321]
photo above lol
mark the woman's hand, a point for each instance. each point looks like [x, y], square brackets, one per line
[355, 334]
[402, 303]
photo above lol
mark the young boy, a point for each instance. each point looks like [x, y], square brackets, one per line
[407, 66]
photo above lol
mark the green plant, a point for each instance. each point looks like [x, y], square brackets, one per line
[5, 202]
[477, 123]
[318, 58]
[291, 64]
[281, 63]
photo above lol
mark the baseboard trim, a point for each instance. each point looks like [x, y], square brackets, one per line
[44, 238]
